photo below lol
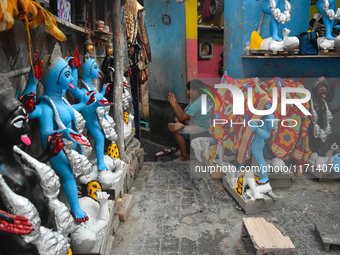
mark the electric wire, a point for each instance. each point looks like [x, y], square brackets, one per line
[166, 11]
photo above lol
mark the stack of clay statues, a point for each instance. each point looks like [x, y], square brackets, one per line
[30, 186]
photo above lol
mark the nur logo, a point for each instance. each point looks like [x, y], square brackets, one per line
[204, 108]
[238, 100]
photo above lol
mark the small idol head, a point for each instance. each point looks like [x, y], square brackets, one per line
[59, 78]
[13, 122]
[320, 87]
[56, 72]
[91, 69]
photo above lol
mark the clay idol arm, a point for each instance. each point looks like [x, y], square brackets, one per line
[263, 133]
[14, 224]
[103, 214]
[77, 92]
[47, 128]
[330, 94]
[86, 98]
[105, 89]
[45, 122]
[34, 77]
[334, 111]
[53, 146]
[32, 84]
[36, 113]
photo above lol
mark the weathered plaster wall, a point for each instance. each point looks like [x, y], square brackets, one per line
[167, 71]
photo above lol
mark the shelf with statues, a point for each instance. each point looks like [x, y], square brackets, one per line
[96, 34]
[304, 45]
[266, 56]
[69, 25]
[264, 52]
[102, 35]
[112, 188]
[251, 196]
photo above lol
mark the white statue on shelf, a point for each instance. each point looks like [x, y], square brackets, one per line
[50, 186]
[330, 18]
[115, 168]
[86, 235]
[289, 43]
[275, 42]
[128, 125]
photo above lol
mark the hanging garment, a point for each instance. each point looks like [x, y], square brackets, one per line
[237, 138]
[31, 14]
[206, 10]
[289, 142]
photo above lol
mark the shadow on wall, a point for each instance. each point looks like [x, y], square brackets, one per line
[161, 114]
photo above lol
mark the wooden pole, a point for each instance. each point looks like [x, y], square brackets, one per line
[119, 74]
[18, 72]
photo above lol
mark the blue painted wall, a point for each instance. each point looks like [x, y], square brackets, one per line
[167, 71]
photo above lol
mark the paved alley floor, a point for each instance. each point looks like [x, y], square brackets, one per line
[174, 214]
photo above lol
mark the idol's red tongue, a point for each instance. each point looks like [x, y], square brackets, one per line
[26, 140]
[323, 96]
[71, 85]
[99, 76]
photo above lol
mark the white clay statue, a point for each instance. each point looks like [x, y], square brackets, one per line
[96, 206]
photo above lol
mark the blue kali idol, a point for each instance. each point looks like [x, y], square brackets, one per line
[330, 19]
[270, 7]
[54, 114]
[257, 145]
[95, 112]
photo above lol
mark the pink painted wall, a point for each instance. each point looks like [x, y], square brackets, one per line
[192, 63]
[209, 67]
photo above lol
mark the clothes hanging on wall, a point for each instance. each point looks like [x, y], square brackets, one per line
[137, 38]
[206, 10]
